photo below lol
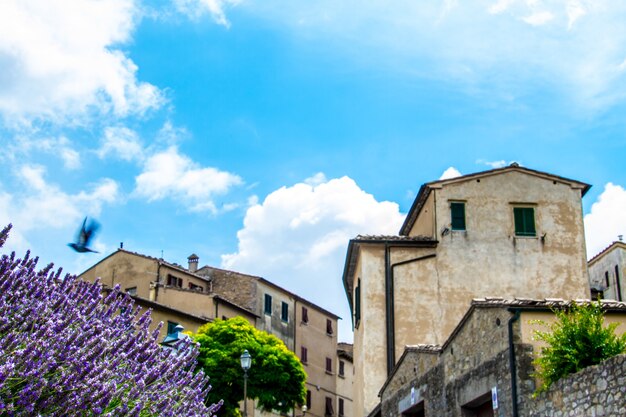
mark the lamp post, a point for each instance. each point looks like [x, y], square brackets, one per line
[246, 361]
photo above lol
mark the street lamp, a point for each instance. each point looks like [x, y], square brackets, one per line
[246, 361]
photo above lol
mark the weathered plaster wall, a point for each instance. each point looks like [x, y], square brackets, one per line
[345, 386]
[192, 302]
[425, 223]
[284, 330]
[607, 263]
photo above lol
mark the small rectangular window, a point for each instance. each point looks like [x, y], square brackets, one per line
[173, 281]
[304, 354]
[329, 365]
[457, 215]
[340, 407]
[305, 315]
[131, 291]
[341, 368]
[524, 221]
[308, 399]
[196, 287]
[284, 312]
[329, 407]
[606, 279]
[268, 304]
[329, 326]
[171, 327]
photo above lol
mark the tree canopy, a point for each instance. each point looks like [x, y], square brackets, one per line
[276, 378]
[577, 339]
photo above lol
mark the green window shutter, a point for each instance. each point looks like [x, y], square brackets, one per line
[524, 221]
[457, 214]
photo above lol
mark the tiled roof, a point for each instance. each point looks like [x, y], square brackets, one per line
[394, 238]
[531, 303]
[605, 250]
[423, 348]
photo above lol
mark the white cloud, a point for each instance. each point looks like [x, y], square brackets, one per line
[169, 174]
[40, 205]
[122, 143]
[502, 48]
[297, 237]
[195, 8]
[451, 172]
[20, 147]
[606, 220]
[62, 60]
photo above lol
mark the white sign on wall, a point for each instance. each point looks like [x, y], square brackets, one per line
[494, 397]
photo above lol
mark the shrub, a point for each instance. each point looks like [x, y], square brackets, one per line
[577, 339]
[65, 350]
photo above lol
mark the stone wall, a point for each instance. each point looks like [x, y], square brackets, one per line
[596, 391]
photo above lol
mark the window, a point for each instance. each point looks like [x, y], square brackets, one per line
[131, 291]
[195, 287]
[171, 327]
[524, 221]
[340, 408]
[618, 286]
[284, 312]
[457, 215]
[305, 315]
[173, 281]
[329, 407]
[329, 326]
[357, 303]
[341, 368]
[329, 365]
[606, 278]
[268, 304]
[303, 354]
[308, 399]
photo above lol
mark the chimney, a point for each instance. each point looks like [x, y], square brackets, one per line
[193, 262]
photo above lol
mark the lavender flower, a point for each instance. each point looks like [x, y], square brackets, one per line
[65, 350]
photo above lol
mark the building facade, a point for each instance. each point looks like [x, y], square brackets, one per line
[485, 368]
[196, 295]
[606, 272]
[509, 232]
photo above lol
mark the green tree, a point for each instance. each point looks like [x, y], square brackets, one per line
[276, 378]
[576, 339]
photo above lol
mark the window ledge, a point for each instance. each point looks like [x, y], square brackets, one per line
[329, 373]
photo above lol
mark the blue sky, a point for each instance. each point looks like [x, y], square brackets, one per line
[262, 135]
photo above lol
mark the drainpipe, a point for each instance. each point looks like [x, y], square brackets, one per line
[158, 280]
[389, 303]
[513, 367]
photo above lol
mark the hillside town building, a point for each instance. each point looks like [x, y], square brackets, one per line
[606, 272]
[511, 232]
[196, 295]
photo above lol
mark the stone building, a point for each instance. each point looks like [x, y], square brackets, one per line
[606, 272]
[345, 370]
[196, 295]
[508, 232]
[484, 368]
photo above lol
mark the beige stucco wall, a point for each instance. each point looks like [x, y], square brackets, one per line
[344, 386]
[192, 302]
[607, 263]
[431, 296]
[190, 324]
[530, 323]
[425, 223]
[320, 345]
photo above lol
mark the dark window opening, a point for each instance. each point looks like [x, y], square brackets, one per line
[131, 291]
[173, 281]
[606, 279]
[480, 407]
[329, 326]
[329, 407]
[457, 214]
[304, 354]
[305, 315]
[340, 408]
[284, 312]
[171, 327]
[416, 410]
[524, 221]
[341, 368]
[618, 286]
[308, 399]
[357, 304]
[329, 365]
[268, 304]
[196, 287]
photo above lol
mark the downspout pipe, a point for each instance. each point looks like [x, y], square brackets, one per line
[512, 364]
[389, 303]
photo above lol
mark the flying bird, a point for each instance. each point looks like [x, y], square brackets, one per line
[85, 234]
